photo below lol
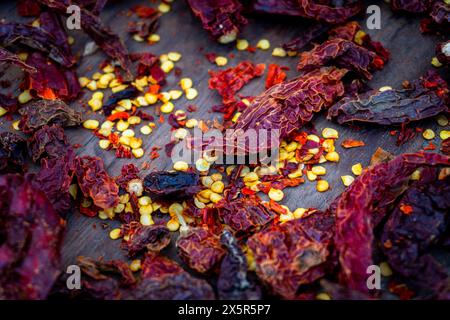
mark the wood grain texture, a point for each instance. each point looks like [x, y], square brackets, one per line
[179, 31]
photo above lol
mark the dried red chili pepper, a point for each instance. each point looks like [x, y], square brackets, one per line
[148, 64]
[128, 172]
[423, 98]
[275, 75]
[416, 6]
[11, 58]
[95, 183]
[245, 215]
[31, 240]
[326, 11]
[445, 146]
[311, 33]
[361, 207]
[413, 234]
[200, 249]
[10, 104]
[49, 142]
[37, 114]
[288, 106]
[138, 238]
[351, 143]
[228, 82]
[294, 253]
[234, 282]
[13, 152]
[173, 185]
[222, 19]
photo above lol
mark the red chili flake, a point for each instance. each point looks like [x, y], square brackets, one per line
[430, 146]
[144, 11]
[118, 116]
[275, 75]
[228, 82]
[211, 57]
[351, 143]
[406, 209]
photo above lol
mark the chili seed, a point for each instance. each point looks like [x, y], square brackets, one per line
[215, 197]
[323, 296]
[428, 134]
[330, 133]
[146, 130]
[146, 219]
[180, 166]
[444, 134]
[385, 269]
[332, 156]
[242, 44]
[144, 201]
[91, 124]
[134, 120]
[221, 61]
[135, 265]
[313, 137]
[104, 143]
[24, 97]
[146, 209]
[138, 153]
[385, 88]
[180, 134]
[202, 165]
[416, 175]
[322, 185]
[311, 176]
[357, 169]
[276, 194]
[299, 212]
[153, 38]
[191, 93]
[442, 120]
[173, 225]
[279, 52]
[167, 107]
[186, 83]
[3, 111]
[251, 177]
[217, 187]
[115, 234]
[435, 62]
[347, 180]
[318, 170]
[151, 98]
[119, 208]
[174, 56]
[122, 125]
[263, 44]
[167, 66]
[128, 133]
[175, 94]
[191, 123]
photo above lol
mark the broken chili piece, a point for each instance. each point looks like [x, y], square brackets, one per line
[172, 185]
[13, 152]
[138, 238]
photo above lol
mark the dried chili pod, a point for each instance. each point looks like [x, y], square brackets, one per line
[416, 6]
[37, 114]
[423, 98]
[95, 183]
[311, 33]
[418, 222]
[200, 249]
[294, 253]
[234, 283]
[32, 235]
[35, 38]
[48, 142]
[326, 11]
[173, 185]
[138, 237]
[361, 207]
[342, 53]
[289, 105]
[222, 18]
[11, 58]
[13, 152]
[245, 215]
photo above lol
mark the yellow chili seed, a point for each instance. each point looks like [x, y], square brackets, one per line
[119, 88]
[323, 296]
[385, 269]
[236, 117]
[242, 44]
[276, 194]
[296, 174]
[215, 197]
[191, 123]
[442, 120]
[175, 94]
[167, 66]
[91, 124]
[221, 61]
[330, 133]
[135, 265]
[217, 177]
[102, 215]
[428, 134]
[128, 133]
[313, 137]
[148, 209]
[144, 201]
[186, 83]
[151, 98]
[444, 134]
[251, 177]
[322, 185]
[146, 130]
[180, 166]
[138, 38]
[191, 93]
[311, 176]
[263, 44]
[176, 209]
[173, 225]
[124, 140]
[292, 146]
[138, 153]
[134, 120]
[332, 156]
[180, 134]
[206, 194]
[207, 181]
[347, 180]
[279, 52]
[146, 219]
[164, 7]
[167, 107]
[416, 175]
[217, 187]
[24, 97]
[299, 212]
[115, 234]
[435, 62]
[286, 217]
[357, 169]
[319, 170]
[174, 56]
[3, 111]
[104, 143]
[154, 38]
[122, 125]
[202, 165]
[141, 101]
[135, 143]
[385, 88]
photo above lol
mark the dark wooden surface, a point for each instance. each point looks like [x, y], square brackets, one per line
[411, 55]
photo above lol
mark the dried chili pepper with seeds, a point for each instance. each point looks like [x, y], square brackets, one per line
[172, 185]
[49, 142]
[11, 58]
[138, 238]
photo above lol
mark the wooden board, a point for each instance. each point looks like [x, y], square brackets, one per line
[179, 31]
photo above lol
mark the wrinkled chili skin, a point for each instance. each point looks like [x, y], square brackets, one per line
[364, 204]
[222, 19]
[13, 152]
[245, 215]
[95, 183]
[31, 240]
[408, 235]
[416, 6]
[162, 184]
[424, 98]
[11, 58]
[48, 142]
[234, 283]
[200, 249]
[323, 11]
[445, 147]
[289, 105]
[294, 253]
[37, 114]
[138, 238]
